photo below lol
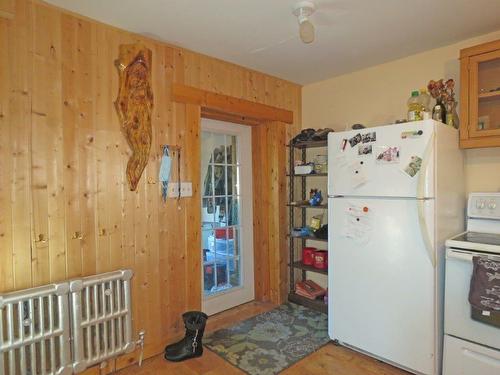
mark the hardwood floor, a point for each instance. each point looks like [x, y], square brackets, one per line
[329, 360]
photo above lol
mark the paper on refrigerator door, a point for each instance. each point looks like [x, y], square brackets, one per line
[358, 223]
[357, 171]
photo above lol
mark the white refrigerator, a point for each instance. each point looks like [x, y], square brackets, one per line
[395, 194]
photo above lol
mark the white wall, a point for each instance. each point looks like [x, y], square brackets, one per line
[378, 95]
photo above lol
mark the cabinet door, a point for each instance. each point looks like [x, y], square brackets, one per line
[484, 95]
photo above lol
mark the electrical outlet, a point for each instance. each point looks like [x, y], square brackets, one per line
[186, 189]
[173, 190]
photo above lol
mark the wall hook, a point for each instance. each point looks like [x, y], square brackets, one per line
[41, 238]
[77, 236]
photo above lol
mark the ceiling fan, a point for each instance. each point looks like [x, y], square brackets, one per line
[303, 10]
[324, 18]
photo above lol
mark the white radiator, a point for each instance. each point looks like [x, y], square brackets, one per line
[102, 318]
[34, 331]
[65, 328]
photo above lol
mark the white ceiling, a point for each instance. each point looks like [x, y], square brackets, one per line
[263, 34]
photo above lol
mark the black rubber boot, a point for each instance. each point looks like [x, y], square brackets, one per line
[190, 346]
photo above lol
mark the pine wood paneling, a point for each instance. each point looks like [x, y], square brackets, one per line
[65, 208]
[6, 174]
[20, 36]
[7, 8]
[192, 166]
[261, 204]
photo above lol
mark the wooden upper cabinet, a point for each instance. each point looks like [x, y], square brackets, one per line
[480, 96]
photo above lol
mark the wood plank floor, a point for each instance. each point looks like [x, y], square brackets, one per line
[329, 360]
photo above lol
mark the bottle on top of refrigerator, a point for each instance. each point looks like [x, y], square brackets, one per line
[414, 107]
[425, 99]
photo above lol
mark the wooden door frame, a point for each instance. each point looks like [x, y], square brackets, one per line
[269, 185]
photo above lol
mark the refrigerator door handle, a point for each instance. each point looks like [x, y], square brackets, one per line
[422, 178]
[421, 187]
[425, 231]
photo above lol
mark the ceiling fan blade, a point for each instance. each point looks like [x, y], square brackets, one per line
[272, 45]
[327, 12]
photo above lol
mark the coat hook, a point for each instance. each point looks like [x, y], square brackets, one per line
[102, 232]
[77, 236]
[41, 238]
[151, 181]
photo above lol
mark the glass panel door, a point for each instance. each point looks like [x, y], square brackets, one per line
[489, 95]
[485, 94]
[225, 150]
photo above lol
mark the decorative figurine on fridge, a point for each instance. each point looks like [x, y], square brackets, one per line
[445, 109]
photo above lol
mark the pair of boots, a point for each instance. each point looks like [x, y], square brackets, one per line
[190, 346]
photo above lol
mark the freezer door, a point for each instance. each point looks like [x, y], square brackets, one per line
[386, 164]
[382, 279]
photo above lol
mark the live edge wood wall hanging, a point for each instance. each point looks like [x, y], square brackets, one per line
[134, 106]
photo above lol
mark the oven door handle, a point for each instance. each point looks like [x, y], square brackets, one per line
[467, 256]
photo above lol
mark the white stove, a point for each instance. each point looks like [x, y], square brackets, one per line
[483, 225]
[471, 346]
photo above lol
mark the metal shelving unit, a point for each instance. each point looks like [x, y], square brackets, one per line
[294, 263]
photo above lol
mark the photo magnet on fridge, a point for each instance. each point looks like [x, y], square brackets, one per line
[413, 166]
[369, 137]
[365, 150]
[387, 154]
[355, 140]
[411, 134]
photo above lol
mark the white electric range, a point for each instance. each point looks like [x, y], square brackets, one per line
[471, 347]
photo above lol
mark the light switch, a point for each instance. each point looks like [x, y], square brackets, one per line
[186, 189]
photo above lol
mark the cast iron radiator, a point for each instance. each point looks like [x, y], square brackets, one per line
[34, 331]
[67, 327]
[102, 318]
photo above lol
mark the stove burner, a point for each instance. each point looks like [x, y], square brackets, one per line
[479, 238]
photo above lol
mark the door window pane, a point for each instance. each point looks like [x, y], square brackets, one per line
[233, 211]
[220, 180]
[207, 212]
[231, 149]
[219, 148]
[221, 211]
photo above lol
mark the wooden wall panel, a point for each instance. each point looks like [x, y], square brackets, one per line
[65, 208]
[277, 211]
[261, 182]
[6, 174]
[7, 8]
[271, 223]
[20, 36]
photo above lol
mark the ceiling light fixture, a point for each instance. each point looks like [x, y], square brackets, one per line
[303, 10]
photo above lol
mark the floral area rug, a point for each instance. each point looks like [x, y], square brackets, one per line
[268, 343]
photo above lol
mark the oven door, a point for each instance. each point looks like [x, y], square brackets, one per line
[458, 321]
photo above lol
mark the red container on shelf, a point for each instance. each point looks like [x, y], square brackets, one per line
[224, 233]
[321, 259]
[308, 255]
